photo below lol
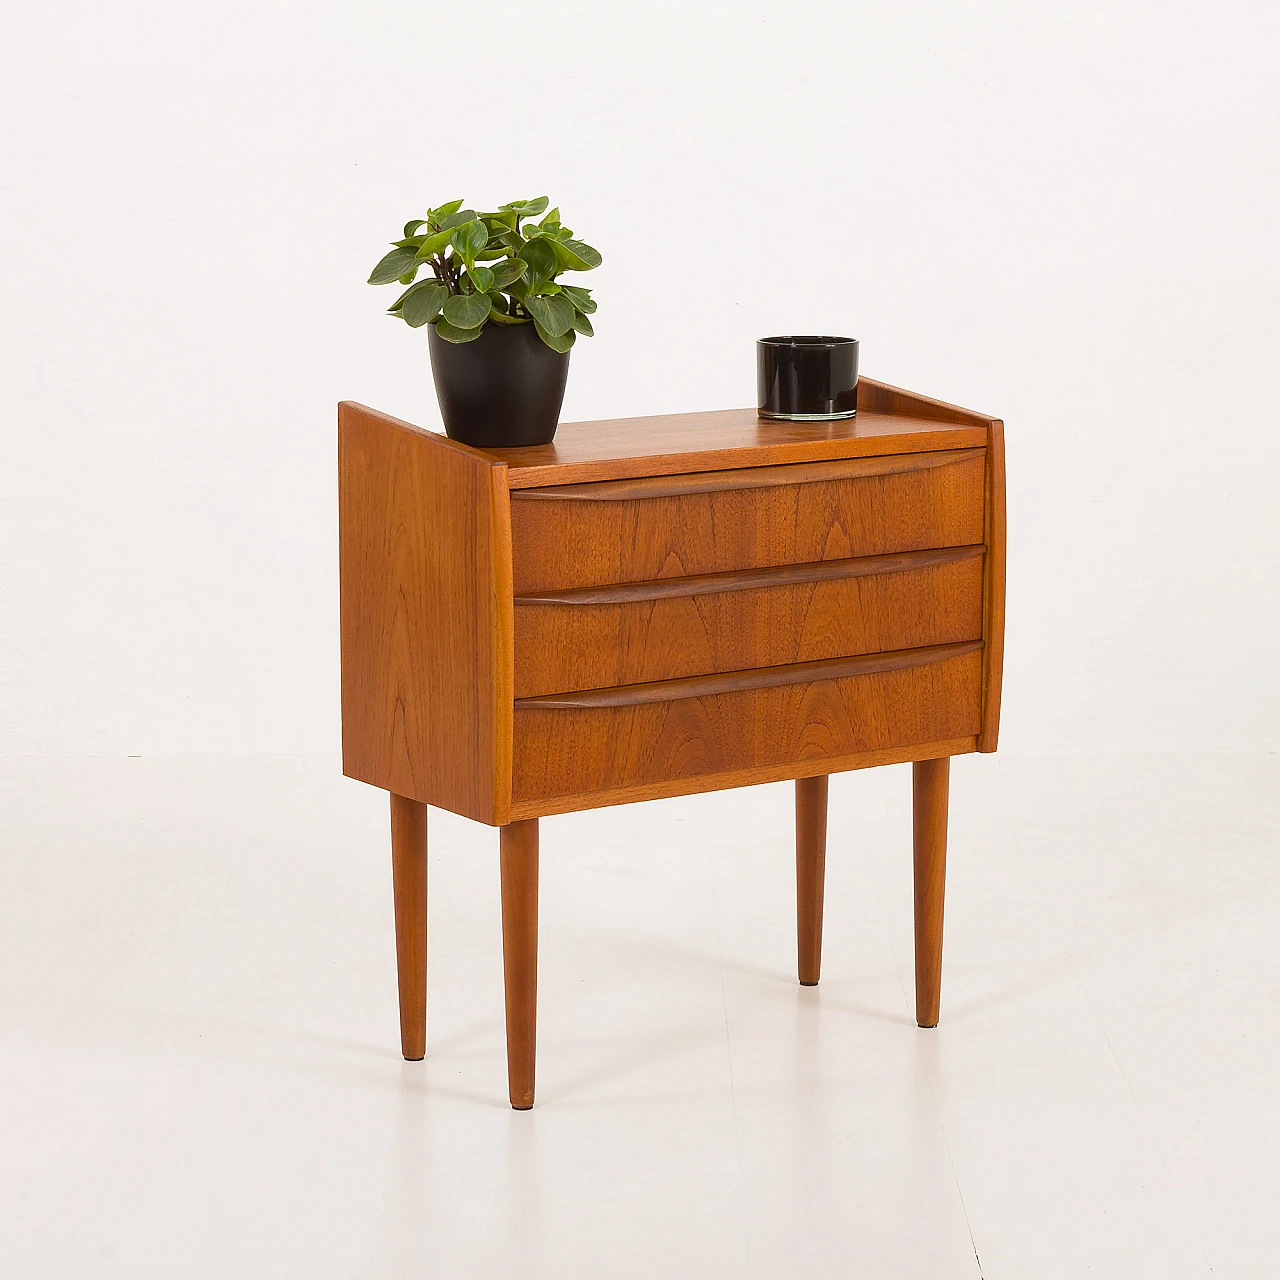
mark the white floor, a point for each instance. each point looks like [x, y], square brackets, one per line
[200, 1077]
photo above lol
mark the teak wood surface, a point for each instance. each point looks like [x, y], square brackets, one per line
[661, 606]
[567, 748]
[424, 544]
[518, 854]
[582, 537]
[595, 638]
[811, 872]
[409, 885]
[930, 785]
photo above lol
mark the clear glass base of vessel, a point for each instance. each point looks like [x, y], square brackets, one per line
[807, 417]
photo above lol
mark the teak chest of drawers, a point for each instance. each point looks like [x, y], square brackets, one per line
[657, 606]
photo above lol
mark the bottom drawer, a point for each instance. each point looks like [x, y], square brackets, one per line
[610, 739]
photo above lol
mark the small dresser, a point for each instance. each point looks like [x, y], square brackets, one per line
[653, 607]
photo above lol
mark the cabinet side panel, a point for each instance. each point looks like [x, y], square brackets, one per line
[425, 565]
[993, 591]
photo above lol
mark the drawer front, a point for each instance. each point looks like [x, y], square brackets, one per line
[610, 740]
[678, 526]
[592, 638]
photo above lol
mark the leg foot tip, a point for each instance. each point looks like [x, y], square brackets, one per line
[414, 1057]
[522, 1106]
[926, 1026]
[808, 982]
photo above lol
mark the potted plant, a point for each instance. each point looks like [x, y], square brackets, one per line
[501, 323]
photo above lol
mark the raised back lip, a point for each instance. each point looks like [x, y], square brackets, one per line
[806, 340]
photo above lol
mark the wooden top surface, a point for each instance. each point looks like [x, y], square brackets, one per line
[630, 447]
[889, 420]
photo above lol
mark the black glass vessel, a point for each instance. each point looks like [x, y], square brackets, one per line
[807, 378]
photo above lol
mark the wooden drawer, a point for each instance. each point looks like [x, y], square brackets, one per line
[618, 531]
[606, 741]
[594, 637]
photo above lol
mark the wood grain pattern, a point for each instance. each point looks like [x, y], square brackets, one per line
[745, 478]
[889, 421]
[519, 877]
[594, 637]
[930, 783]
[563, 752]
[657, 607]
[783, 575]
[811, 870]
[558, 545]
[993, 592]
[881, 398]
[752, 776]
[634, 695]
[424, 545]
[409, 886]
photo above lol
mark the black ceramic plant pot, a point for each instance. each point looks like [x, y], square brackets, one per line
[807, 378]
[502, 390]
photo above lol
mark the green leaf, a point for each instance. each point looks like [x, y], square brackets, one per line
[410, 228]
[407, 278]
[501, 312]
[583, 325]
[396, 264]
[466, 310]
[525, 208]
[542, 261]
[552, 219]
[450, 334]
[581, 298]
[470, 238]
[555, 315]
[505, 238]
[422, 303]
[573, 255]
[557, 342]
[444, 211]
[435, 244]
[457, 218]
[410, 242]
[508, 270]
[413, 288]
[481, 278]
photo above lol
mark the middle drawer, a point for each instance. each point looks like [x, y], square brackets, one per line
[600, 637]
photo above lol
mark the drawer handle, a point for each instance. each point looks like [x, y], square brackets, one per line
[752, 579]
[631, 695]
[746, 478]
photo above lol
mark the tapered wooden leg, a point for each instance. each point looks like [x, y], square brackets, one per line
[409, 883]
[811, 870]
[930, 779]
[519, 844]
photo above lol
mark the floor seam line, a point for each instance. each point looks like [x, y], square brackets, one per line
[964, 1208]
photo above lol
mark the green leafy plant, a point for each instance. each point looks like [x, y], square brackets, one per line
[488, 268]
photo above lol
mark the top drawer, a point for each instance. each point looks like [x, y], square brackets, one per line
[587, 535]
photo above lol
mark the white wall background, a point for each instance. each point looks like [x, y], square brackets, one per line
[1064, 214]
